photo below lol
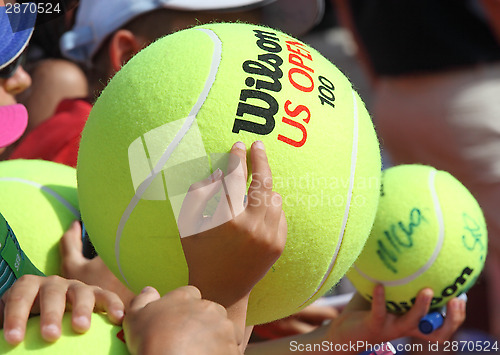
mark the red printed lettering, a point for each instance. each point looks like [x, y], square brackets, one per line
[299, 50]
[292, 142]
[299, 61]
[297, 111]
[301, 80]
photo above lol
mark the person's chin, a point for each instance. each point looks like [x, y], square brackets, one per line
[6, 98]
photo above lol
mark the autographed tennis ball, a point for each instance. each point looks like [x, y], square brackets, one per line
[39, 200]
[101, 339]
[169, 115]
[429, 231]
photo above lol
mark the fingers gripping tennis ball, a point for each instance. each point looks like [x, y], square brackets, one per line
[177, 106]
[101, 338]
[429, 232]
[39, 200]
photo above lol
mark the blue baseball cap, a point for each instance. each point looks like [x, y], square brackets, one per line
[97, 19]
[15, 33]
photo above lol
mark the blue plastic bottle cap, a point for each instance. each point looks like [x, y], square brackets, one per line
[430, 322]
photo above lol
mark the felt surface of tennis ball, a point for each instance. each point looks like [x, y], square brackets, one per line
[39, 200]
[429, 232]
[101, 339]
[212, 86]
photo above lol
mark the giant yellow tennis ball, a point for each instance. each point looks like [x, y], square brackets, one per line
[101, 339]
[429, 232]
[39, 200]
[166, 118]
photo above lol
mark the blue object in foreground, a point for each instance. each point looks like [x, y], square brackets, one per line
[433, 320]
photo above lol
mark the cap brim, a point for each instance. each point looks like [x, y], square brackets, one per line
[213, 5]
[13, 123]
[15, 32]
[295, 17]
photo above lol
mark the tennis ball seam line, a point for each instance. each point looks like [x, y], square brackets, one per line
[141, 189]
[354, 157]
[439, 216]
[51, 192]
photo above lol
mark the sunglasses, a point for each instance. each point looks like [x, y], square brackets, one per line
[10, 69]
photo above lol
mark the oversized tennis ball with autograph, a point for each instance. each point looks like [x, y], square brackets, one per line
[169, 115]
[429, 232]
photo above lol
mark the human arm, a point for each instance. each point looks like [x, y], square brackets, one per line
[372, 324]
[238, 244]
[50, 297]
[179, 323]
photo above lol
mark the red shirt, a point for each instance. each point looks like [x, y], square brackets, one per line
[58, 138]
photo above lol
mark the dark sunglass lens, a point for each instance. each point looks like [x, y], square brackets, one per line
[10, 69]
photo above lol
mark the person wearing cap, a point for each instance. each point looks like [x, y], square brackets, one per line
[107, 34]
[24, 290]
[15, 33]
[116, 47]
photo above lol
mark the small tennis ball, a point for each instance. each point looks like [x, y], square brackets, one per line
[100, 339]
[168, 116]
[39, 201]
[429, 232]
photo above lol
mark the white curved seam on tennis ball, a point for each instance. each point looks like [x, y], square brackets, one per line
[141, 189]
[354, 157]
[51, 192]
[437, 249]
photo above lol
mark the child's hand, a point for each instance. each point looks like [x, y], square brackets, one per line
[376, 325]
[226, 260]
[48, 297]
[230, 252]
[90, 271]
[179, 323]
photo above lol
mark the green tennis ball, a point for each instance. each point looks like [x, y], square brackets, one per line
[209, 87]
[100, 339]
[429, 232]
[39, 200]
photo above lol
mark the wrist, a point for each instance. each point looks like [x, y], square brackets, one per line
[237, 313]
